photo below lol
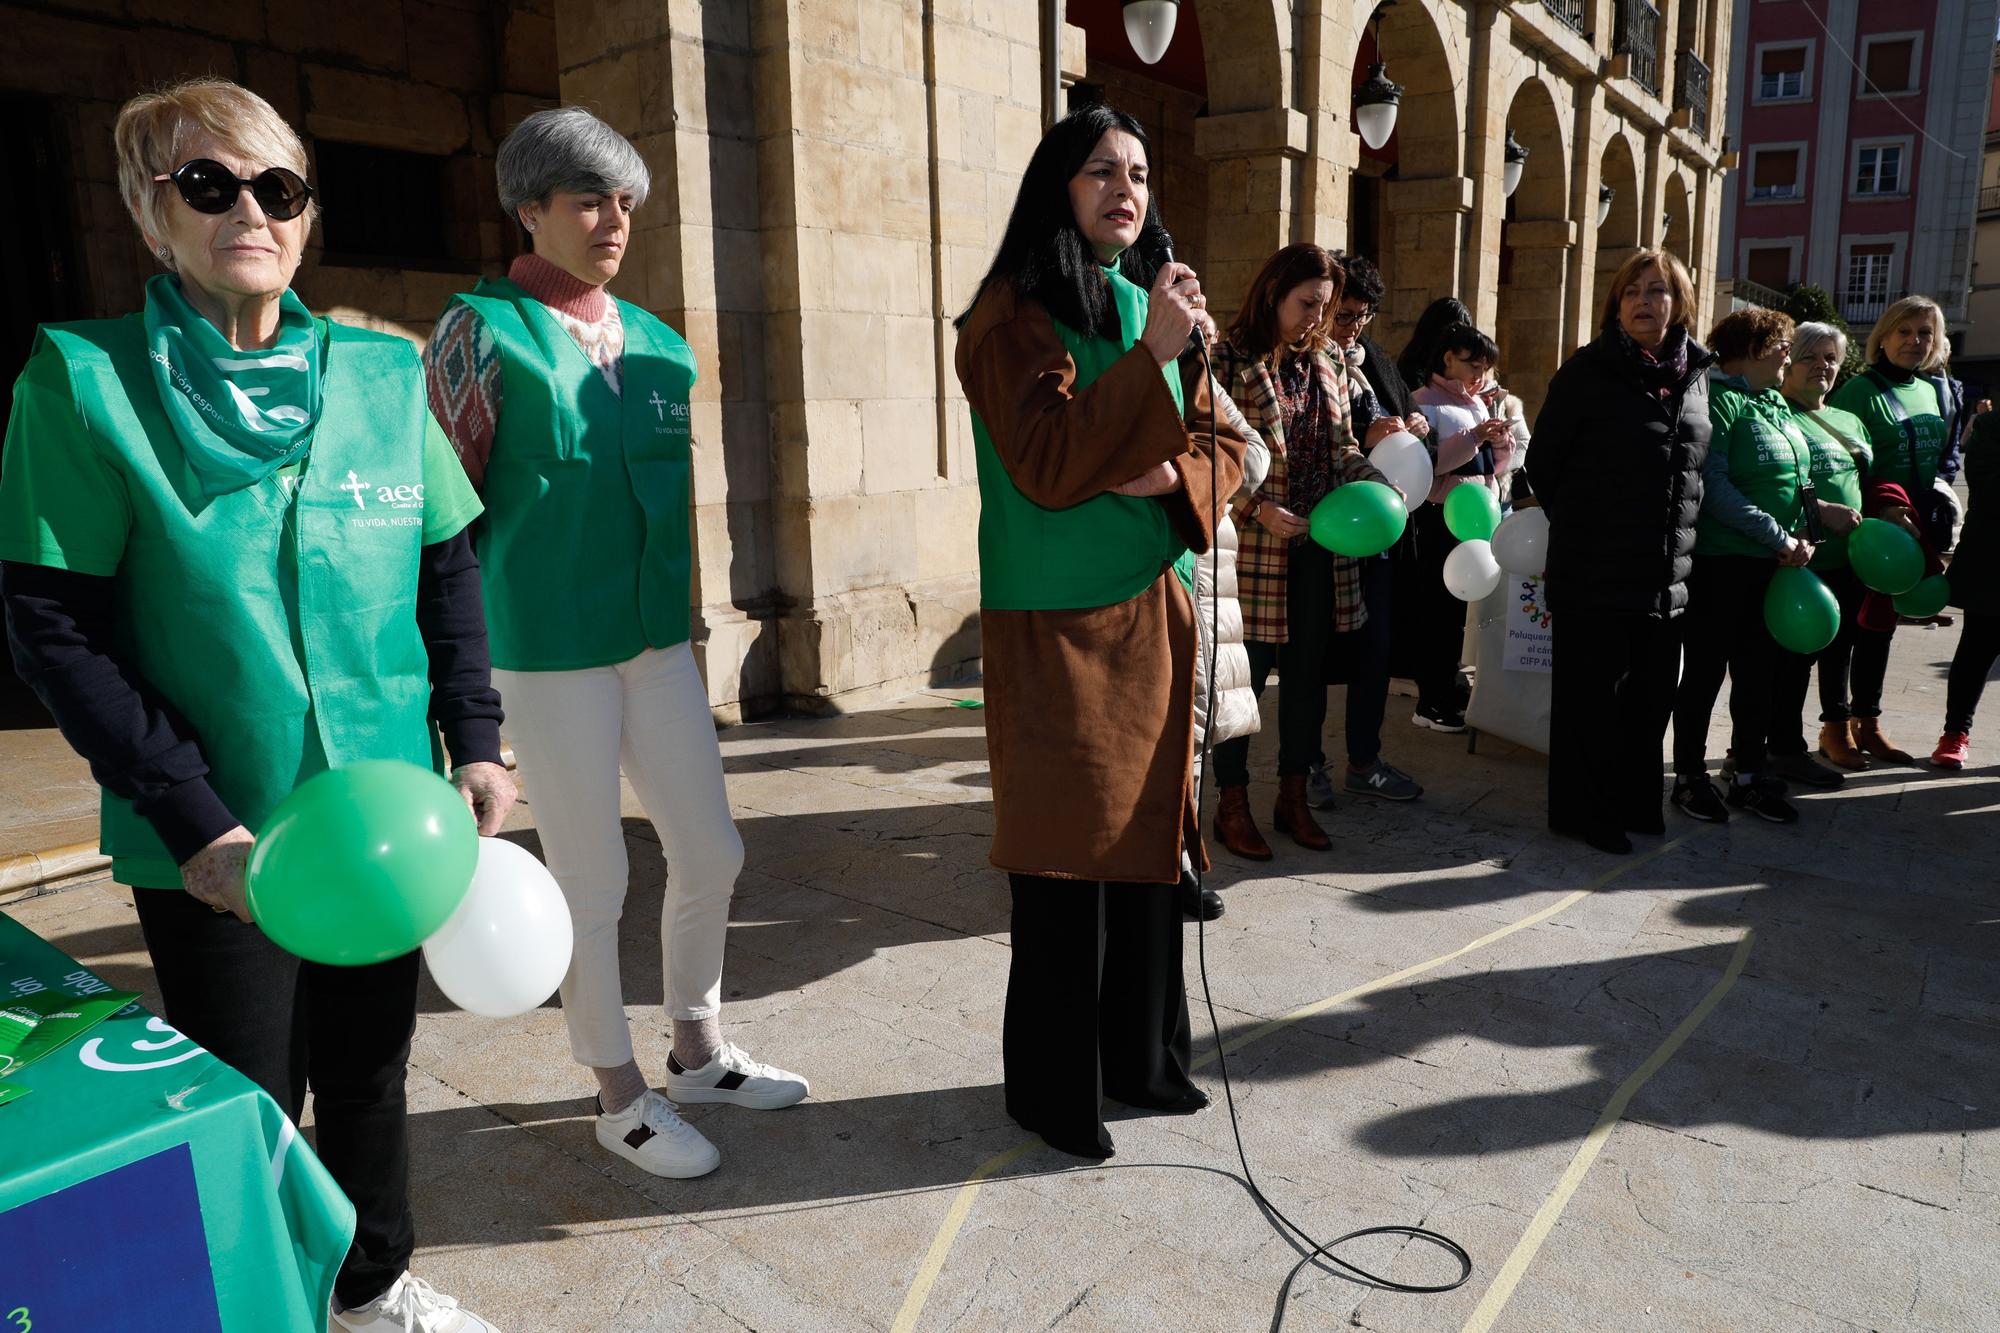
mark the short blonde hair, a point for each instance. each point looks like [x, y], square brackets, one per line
[155, 128]
[1679, 285]
[1912, 307]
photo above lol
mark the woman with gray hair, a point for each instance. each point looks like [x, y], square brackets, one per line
[1841, 457]
[569, 410]
[235, 555]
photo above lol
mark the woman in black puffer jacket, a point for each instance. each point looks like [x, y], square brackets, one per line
[1619, 447]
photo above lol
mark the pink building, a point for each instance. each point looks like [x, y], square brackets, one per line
[1858, 125]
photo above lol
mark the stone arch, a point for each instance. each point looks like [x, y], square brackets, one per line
[1247, 51]
[1678, 222]
[1535, 243]
[1618, 235]
[1422, 200]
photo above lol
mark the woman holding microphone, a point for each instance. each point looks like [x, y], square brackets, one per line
[1096, 472]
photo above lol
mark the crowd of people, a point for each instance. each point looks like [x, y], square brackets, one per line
[240, 544]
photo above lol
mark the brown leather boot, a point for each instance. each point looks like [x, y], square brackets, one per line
[1838, 747]
[1236, 829]
[1870, 740]
[1294, 818]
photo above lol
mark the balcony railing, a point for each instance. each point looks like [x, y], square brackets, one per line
[1861, 309]
[1691, 92]
[1638, 39]
[1989, 199]
[1568, 12]
[1749, 293]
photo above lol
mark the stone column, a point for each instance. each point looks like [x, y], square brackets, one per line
[1532, 308]
[1255, 161]
[1430, 216]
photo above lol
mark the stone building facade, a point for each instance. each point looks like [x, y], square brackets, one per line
[831, 178]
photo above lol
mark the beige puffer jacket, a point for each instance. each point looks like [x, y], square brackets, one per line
[1235, 707]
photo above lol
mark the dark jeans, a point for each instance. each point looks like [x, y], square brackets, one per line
[1361, 658]
[1857, 659]
[1724, 632]
[1610, 695]
[1978, 649]
[289, 1025]
[1794, 673]
[1096, 1005]
[1301, 664]
[1440, 617]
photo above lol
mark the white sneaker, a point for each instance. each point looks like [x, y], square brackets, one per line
[732, 1076]
[651, 1135]
[410, 1305]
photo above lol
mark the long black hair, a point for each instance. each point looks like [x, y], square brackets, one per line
[1415, 362]
[1044, 255]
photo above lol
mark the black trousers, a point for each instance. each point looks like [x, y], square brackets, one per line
[1361, 658]
[288, 1025]
[1853, 668]
[1096, 1005]
[1301, 664]
[1440, 618]
[1978, 649]
[1794, 673]
[1724, 632]
[1610, 695]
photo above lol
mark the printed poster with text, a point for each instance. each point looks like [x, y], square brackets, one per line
[1530, 646]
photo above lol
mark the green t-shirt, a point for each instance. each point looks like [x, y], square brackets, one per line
[1837, 472]
[63, 504]
[1863, 396]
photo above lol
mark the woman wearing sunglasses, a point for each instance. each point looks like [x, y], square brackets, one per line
[569, 409]
[233, 554]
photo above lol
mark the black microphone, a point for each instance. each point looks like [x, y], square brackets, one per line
[1197, 336]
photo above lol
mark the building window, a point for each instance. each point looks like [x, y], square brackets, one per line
[1774, 173]
[1769, 266]
[382, 206]
[1878, 169]
[1889, 65]
[1781, 73]
[1868, 276]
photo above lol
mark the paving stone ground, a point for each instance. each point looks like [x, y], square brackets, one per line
[1823, 1152]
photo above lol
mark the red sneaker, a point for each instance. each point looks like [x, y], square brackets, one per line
[1953, 749]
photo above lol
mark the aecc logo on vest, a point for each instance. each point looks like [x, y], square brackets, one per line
[405, 503]
[663, 408]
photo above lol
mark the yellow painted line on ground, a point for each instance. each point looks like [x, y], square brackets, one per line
[1551, 1210]
[961, 1204]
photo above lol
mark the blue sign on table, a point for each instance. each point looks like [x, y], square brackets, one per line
[122, 1250]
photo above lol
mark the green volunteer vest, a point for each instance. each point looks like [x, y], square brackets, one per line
[585, 549]
[1769, 461]
[1108, 549]
[1890, 443]
[1835, 472]
[279, 620]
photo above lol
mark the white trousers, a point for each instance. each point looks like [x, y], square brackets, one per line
[572, 731]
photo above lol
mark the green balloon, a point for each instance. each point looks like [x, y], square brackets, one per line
[1926, 599]
[361, 864]
[1885, 558]
[1471, 512]
[1362, 518]
[1802, 612]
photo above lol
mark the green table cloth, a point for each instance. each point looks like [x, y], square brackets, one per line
[146, 1184]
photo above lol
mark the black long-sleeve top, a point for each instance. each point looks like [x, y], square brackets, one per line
[140, 748]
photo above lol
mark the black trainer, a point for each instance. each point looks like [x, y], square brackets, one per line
[1763, 799]
[1697, 798]
[1438, 718]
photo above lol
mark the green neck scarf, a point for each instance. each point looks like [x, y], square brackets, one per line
[239, 415]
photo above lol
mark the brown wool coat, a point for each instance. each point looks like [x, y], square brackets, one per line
[1090, 713]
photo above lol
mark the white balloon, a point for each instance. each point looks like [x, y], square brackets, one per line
[506, 948]
[1404, 461]
[1521, 543]
[1470, 571]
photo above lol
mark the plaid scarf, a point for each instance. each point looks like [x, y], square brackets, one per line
[1660, 372]
[1263, 560]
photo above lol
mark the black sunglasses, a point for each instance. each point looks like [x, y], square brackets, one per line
[207, 186]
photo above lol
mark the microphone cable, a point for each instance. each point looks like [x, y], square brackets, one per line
[1319, 1252]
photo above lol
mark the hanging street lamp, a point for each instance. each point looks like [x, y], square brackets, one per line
[1516, 160]
[1149, 26]
[1376, 101]
[1605, 194]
